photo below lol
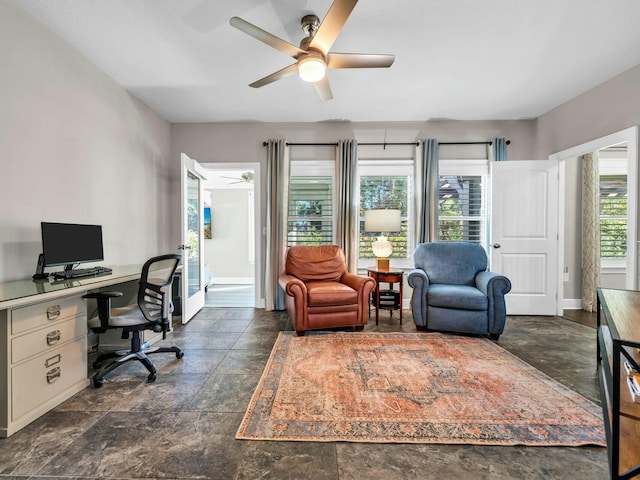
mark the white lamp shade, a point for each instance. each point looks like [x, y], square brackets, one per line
[382, 221]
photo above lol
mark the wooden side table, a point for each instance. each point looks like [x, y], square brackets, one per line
[390, 276]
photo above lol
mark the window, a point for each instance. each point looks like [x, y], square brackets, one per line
[310, 218]
[387, 184]
[462, 201]
[613, 210]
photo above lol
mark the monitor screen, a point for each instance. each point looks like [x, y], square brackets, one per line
[70, 243]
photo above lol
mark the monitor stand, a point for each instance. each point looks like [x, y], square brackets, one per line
[40, 275]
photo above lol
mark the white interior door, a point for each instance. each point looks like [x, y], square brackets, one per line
[524, 233]
[192, 237]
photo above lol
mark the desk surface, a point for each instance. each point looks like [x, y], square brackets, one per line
[22, 292]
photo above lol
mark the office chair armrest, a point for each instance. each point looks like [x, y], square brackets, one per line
[104, 306]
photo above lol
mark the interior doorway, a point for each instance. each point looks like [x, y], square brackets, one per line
[232, 251]
[569, 266]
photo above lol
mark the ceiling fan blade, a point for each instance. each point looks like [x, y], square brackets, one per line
[323, 88]
[265, 37]
[285, 72]
[359, 60]
[332, 25]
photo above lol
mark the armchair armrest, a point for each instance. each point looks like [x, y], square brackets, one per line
[293, 287]
[495, 287]
[418, 280]
[359, 283]
[491, 283]
[104, 307]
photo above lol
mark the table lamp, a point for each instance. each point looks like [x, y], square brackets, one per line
[382, 221]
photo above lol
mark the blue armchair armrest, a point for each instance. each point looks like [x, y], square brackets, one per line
[495, 287]
[419, 281]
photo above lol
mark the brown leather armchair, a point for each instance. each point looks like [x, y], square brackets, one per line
[321, 293]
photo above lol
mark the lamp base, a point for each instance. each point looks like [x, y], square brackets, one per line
[382, 263]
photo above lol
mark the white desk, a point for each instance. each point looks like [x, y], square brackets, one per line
[43, 343]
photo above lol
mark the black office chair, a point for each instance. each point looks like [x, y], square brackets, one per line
[152, 312]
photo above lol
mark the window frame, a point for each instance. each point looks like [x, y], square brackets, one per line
[472, 167]
[315, 168]
[390, 167]
[608, 165]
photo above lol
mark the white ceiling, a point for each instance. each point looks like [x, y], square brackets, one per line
[458, 59]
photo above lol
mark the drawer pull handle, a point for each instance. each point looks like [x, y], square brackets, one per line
[53, 312]
[53, 337]
[53, 374]
[49, 362]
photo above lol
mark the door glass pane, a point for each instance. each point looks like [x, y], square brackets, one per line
[193, 233]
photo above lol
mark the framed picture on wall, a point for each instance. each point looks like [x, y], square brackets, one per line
[207, 223]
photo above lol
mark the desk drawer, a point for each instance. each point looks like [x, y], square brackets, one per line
[36, 381]
[40, 314]
[46, 339]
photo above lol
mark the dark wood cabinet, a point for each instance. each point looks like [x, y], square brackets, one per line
[619, 341]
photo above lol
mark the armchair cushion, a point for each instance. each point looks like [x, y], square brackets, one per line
[330, 293]
[324, 262]
[462, 297]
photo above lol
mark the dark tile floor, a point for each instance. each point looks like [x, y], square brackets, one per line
[183, 426]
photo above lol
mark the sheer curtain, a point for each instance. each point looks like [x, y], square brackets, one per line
[276, 221]
[427, 186]
[590, 230]
[348, 208]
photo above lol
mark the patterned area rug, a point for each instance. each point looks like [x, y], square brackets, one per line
[412, 388]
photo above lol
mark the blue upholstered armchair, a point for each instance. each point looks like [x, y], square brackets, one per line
[454, 292]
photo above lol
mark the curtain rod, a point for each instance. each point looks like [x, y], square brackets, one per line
[383, 144]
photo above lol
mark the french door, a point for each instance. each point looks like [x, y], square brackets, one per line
[192, 237]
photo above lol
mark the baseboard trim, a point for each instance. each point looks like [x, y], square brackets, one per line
[572, 304]
[233, 280]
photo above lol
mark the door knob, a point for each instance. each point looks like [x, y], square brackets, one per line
[496, 245]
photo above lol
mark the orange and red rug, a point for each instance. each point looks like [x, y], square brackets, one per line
[413, 388]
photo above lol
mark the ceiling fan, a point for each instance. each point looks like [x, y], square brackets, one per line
[314, 57]
[246, 177]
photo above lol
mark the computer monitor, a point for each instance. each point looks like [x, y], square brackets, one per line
[70, 243]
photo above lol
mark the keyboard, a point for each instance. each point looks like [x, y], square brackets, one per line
[81, 272]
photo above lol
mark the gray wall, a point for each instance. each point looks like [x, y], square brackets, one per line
[75, 147]
[610, 107]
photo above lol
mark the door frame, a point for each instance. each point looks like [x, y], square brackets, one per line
[259, 300]
[629, 135]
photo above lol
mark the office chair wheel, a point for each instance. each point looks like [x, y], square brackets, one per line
[179, 355]
[97, 382]
[151, 378]
[96, 365]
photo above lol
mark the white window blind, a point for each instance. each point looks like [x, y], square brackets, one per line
[462, 201]
[310, 218]
[613, 216]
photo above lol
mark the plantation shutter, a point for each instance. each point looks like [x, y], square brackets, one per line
[613, 216]
[310, 219]
[462, 212]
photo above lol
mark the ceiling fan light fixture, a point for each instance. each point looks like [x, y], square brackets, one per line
[312, 67]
